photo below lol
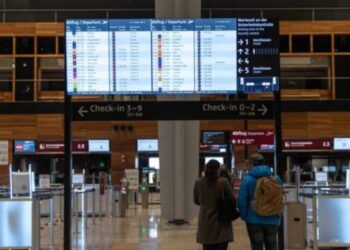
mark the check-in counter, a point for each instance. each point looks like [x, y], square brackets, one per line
[19, 223]
[58, 202]
[101, 204]
[95, 201]
[330, 218]
[310, 188]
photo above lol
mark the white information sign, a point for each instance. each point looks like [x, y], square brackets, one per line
[132, 175]
[78, 179]
[44, 181]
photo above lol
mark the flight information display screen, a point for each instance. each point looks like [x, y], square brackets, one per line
[171, 56]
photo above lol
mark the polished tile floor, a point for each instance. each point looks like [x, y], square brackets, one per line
[140, 229]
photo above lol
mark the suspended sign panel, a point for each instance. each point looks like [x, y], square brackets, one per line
[171, 56]
[252, 137]
[184, 110]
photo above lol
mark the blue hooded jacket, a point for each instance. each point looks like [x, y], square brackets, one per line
[246, 195]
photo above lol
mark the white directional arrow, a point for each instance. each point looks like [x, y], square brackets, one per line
[240, 42]
[240, 60]
[240, 51]
[82, 111]
[240, 70]
[263, 109]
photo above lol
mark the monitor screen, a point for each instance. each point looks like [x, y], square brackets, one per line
[153, 162]
[218, 158]
[170, 56]
[341, 143]
[24, 146]
[330, 169]
[267, 147]
[98, 146]
[213, 137]
[147, 145]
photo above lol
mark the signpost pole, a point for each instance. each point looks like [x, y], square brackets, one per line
[278, 153]
[67, 233]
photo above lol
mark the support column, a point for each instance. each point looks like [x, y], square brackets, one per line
[178, 140]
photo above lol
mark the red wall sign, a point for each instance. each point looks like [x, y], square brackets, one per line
[50, 147]
[310, 144]
[58, 146]
[80, 146]
[251, 137]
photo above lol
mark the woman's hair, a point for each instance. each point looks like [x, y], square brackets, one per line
[223, 170]
[212, 170]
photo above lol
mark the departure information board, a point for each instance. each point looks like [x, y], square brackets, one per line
[171, 56]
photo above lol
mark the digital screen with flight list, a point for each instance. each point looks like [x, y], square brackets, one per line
[171, 56]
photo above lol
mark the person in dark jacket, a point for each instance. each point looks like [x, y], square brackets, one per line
[213, 234]
[262, 230]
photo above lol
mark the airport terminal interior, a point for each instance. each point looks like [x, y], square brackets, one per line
[111, 110]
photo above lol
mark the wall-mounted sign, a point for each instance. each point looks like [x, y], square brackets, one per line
[307, 144]
[147, 145]
[4, 152]
[50, 147]
[98, 146]
[341, 143]
[252, 137]
[24, 146]
[80, 147]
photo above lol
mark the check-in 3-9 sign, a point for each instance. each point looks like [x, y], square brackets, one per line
[252, 137]
[165, 110]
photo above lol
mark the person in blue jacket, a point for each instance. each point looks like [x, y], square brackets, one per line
[262, 230]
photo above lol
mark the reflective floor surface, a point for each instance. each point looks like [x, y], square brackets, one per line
[140, 229]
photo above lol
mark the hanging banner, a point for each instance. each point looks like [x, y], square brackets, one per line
[252, 137]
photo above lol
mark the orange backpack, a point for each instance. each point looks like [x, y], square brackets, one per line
[268, 197]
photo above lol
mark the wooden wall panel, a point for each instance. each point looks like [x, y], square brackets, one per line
[294, 125]
[319, 124]
[286, 27]
[50, 127]
[340, 124]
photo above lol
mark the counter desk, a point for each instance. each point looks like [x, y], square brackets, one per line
[330, 218]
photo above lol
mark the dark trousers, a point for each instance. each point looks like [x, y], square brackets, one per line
[218, 246]
[260, 235]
